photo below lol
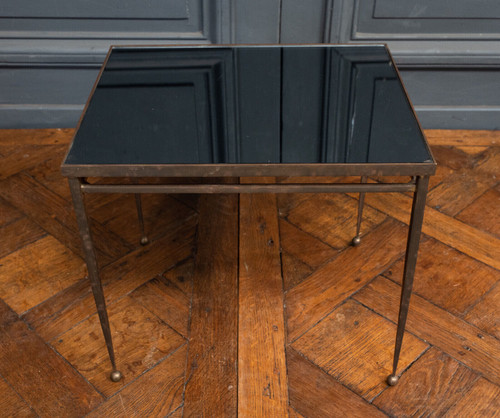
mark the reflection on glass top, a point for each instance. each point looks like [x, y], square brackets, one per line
[248, 104]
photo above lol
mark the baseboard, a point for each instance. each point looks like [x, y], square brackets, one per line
[39, 116]
[458, 117]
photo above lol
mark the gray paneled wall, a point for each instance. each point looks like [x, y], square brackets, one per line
[448, 50]
[51, 50]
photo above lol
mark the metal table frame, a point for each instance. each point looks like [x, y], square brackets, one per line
[419, 184]
[419, 172]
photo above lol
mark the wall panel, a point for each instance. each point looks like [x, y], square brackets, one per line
[448, 50]
[51, 51]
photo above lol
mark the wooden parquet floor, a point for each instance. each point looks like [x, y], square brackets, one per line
[253, 305]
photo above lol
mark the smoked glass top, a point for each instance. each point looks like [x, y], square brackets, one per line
[248, 104]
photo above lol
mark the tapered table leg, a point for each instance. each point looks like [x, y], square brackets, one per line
[138, 204]
[357, 238]
[95, 281]
[417, 216]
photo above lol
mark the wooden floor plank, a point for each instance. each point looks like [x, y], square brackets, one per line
[18, 234]
[303, 246]
[355, 345]
[292, 413]
[140, 339]
[471, 149]
[452, 335]
[55, 215]
[160, 211]
[458, 191]
[462, 137]
[301, 253]
[428, 388]
[49, 174]
[165, 383]
[262, 382]
[8, 213]
[40, 317]
[17, 137]
[447, 277]
[483, 213]
[38, 271]
[314, 393]
[331, 217]
[314, 298]
[11, 404]
[294, 270]
[489, 162]
[483, 400]
[18, 158]
[471, 241]
[167, 301]
[50, 319]
[211, 385]
[43, 379]
[485, 315]
[456, 159]
[182, 276]
[455, 292]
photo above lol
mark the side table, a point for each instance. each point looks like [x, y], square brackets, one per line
[211, 112]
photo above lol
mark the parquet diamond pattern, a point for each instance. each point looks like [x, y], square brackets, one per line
[178, 313]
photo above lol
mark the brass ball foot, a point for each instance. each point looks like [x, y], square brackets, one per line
[144, 241]
[392, 380]
[116, 376]
[356, 240]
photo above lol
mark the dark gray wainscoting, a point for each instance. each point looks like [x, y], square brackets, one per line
[51, 51]
[448, 51]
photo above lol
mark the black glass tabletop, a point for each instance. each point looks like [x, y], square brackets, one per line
[248, 104]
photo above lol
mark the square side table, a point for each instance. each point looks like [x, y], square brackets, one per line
[231, 111]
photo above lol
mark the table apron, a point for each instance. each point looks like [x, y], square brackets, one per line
[248, 188]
